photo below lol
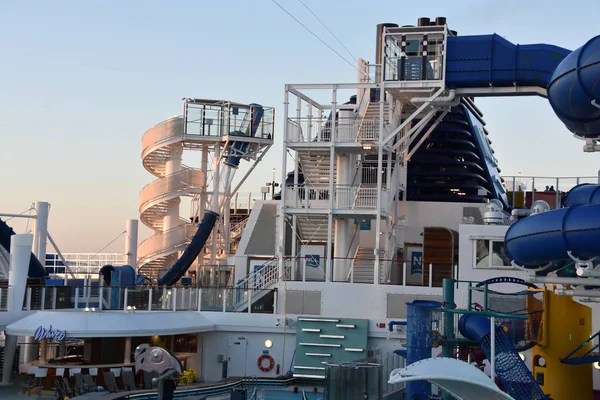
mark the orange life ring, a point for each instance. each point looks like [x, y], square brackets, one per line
[260, 363]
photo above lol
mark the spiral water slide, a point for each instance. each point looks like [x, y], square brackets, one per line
[229, 165]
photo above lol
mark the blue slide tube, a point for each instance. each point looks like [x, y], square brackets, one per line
[490, 60]
[542, 238]
[241, 147]
[573, 90]
[192, 251]
[585, 193]
[36, 269]
[510, 369]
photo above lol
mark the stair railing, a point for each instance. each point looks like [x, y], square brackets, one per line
[260, 279]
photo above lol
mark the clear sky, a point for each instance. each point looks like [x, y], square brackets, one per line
[80, 82]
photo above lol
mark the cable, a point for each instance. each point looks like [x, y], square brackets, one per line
[328, 30]
[109, 243]
[21, 213]
[318, 38]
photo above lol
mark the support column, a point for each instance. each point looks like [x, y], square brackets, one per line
[127, 355]
[380, 143]
[10, 350]
[280, 250]
[332, 187]
[448, 302]
[43, 350]
[343, 226]
[20, 254]
[214, 206]
[41, 230]
[131, 241]
[172, 166]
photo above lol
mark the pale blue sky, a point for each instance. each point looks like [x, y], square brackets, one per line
[80, 82]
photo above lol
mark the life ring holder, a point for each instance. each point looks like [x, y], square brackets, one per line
[269, 367]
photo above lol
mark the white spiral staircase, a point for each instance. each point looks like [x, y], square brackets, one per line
[158, 143]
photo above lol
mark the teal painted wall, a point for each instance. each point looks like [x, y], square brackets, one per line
[353, 338]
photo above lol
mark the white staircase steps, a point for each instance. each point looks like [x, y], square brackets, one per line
[364, 262]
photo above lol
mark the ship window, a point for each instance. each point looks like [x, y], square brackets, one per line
[490, 254]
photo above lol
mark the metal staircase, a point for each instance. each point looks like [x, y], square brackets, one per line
[315, 167]
[312, 228]
[368, 129]
[363, 264]
[256, 284]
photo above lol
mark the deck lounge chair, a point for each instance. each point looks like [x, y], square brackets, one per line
[110, 382]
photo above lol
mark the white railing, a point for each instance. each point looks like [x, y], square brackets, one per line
[189, 179]
[345, 197]
[98, 298]
[161, 242]
[549, 189]
[83, 263]
[262, 278]
[347, 130]
[237, 228]
[171, 128]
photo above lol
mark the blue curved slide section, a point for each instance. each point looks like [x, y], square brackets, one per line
[547, 237]
[192, 251]
[570, 78]
[510, 369]
[585, 193]
[574, 90]
[36, 269]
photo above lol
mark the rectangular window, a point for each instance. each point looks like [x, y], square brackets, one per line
[490, 254]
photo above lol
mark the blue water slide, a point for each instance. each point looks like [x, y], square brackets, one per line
[237, 149]
[574, 90]
[36, 269]
[545, 237]
[491, 60]
[510, 369]
[585, 193]
[192, 251]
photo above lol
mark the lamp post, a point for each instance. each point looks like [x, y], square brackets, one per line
[273, 185]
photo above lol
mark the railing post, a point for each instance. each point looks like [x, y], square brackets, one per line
[174, 293]
[125, 295]
[150, 298]
[101, 294]
[430, 275]
[275, 295]
[88, 294]
[28, 304]
[77, 298]
[2, 306]
[404, 278]
[54, 298]
[224, 300]
[163, 303]
[43, 305]
[199, 297]
[249, 300]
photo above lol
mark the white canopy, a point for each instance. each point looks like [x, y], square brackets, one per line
[461, 380]
[80, 324]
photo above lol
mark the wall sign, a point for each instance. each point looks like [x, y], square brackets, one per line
[313, 260]
[42, 333]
